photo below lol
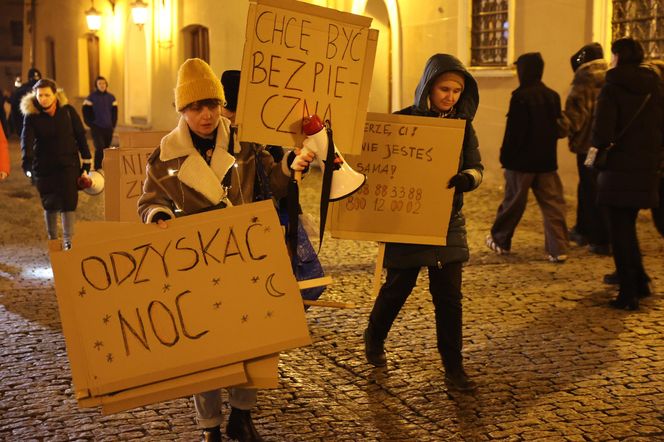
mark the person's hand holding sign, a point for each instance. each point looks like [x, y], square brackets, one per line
[462, 182]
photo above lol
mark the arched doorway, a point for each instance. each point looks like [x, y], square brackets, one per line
[386, 81]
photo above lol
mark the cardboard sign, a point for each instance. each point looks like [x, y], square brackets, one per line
[124, 173]
[300, 59]
[408, 161]
[162, 305]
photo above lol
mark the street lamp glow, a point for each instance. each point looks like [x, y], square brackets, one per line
[139, 12]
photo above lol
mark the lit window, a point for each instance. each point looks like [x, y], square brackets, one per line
[490, 33]
[642, 20]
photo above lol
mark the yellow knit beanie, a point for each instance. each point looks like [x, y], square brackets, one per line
[196, 82]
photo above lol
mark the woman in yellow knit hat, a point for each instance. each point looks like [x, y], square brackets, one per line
[192, 171]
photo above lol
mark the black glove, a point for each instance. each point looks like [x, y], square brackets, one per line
[85, 168]
[462, 182]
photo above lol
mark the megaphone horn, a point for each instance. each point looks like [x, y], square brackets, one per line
[345, 181]
[91, 183]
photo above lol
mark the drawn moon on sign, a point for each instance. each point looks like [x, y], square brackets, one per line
[271, 290]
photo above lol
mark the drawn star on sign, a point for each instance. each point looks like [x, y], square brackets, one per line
[98, 345]
[82, 292]
[267, 229]
[269, 314]
[254, 219]
[166, 288]
[216, 305]
[255, 279]
[245, 317]
[109, 357]
[215, 281]
[106, 319]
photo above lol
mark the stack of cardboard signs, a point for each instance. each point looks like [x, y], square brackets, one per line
[151, 314]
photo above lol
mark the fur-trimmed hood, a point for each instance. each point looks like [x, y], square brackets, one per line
[194, 171]
[591, 74]
[30, 105]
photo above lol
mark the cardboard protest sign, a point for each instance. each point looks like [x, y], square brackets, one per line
[160, 305]
[124, 173]
[408, 161]
[300, 59]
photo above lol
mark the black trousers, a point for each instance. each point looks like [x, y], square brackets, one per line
[591, 219]
[626, 251]
[445, 288]
[102, 138]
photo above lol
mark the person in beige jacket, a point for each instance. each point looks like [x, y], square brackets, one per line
[199, 166]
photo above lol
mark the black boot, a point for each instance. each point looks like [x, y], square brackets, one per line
[624, 303]
[374, 350]
[211, 435]
[612, 278]
[457, 379]
[241, 426]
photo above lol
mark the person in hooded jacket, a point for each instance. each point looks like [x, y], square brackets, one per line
[629, 116]
[528, 156]
[34, 75]
[199, 166]
[53, 137]
[589, 69]
[445, 90]
[100, 113]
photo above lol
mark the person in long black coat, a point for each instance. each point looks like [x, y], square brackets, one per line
[446, 90]
[52, 139]
[630, 180]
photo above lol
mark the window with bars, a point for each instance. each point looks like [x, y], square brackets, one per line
[643, 20]
[489, 33]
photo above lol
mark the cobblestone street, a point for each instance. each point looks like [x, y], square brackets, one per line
[551, 360]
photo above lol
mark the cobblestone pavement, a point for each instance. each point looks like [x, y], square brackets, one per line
[551, 360]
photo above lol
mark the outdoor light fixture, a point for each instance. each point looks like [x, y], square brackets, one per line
[139, 12]
[93, 18]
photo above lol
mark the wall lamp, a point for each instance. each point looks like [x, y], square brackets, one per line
[139, 12]
[93, 18]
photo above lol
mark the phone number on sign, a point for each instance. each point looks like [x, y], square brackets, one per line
[384, 198]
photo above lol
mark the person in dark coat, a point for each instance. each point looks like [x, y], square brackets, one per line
[100, 113]
[630, 180]
[53, 137]
[34, 75]
[658, 212]
[446, 90]
[529, 157]
[589, 73]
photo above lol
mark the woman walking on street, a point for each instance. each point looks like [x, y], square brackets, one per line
[51, 141]
[629, 123]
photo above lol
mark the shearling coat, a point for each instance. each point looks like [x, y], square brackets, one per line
[399, 255]
[631, 178]
[581, 101]
[50, 147]
[179, 181]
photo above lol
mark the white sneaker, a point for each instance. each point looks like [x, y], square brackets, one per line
[557, 259]
[490, 243]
